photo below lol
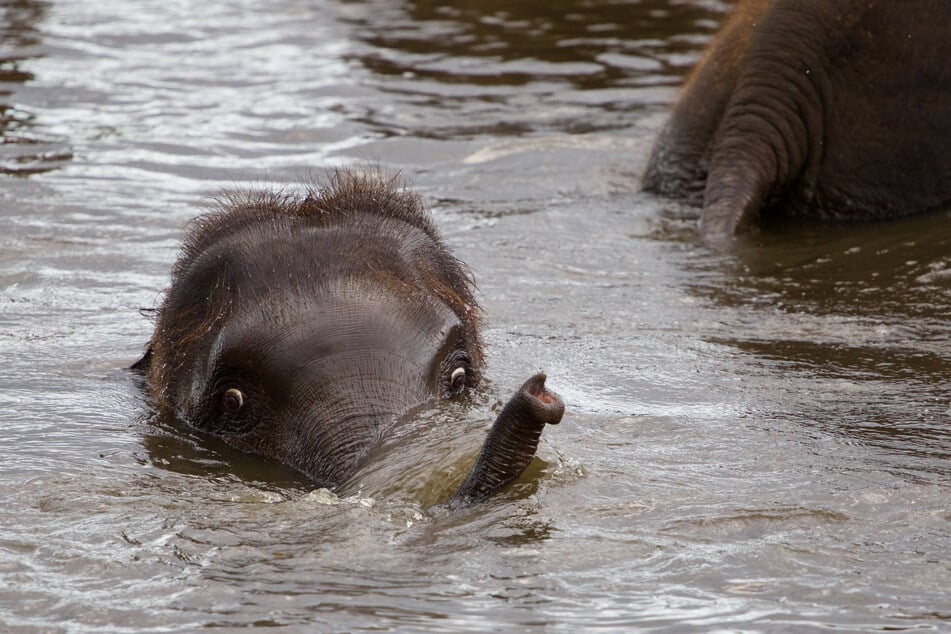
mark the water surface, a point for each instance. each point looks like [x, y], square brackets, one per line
[756, 440]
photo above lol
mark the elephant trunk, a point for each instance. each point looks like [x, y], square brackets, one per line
[511, 442]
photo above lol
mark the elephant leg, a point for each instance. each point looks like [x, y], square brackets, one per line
[511, 443]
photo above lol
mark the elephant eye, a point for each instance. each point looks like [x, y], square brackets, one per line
[457, 380]
[232, 400]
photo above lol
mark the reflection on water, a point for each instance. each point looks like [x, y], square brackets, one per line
[516, 68]
[890, 269]
[22, 150]
[755, 440]
[171, 445]
[592, 45]
[855, 318]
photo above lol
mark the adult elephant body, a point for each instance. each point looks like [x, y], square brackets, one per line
[814, 108]
[304, 328]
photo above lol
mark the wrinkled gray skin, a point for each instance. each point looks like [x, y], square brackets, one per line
[304, 328]
[511, 443]
[814, 108]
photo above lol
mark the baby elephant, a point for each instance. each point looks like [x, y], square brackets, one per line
[304, 328]
[822, 108]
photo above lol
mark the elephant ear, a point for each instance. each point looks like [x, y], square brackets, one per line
[679, 159]
[769, 140]
[735, 193]
[768, 144]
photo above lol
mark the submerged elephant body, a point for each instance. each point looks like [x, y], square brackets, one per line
[304, 328]
[814, 108]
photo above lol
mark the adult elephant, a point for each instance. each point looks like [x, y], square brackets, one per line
[818, 108]
[305, 328]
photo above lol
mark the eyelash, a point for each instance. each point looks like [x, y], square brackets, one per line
[458, 374]
[456, 362]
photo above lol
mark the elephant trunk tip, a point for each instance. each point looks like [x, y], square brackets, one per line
[547, 406]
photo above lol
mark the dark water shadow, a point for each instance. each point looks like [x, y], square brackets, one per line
[564, 60]
[24, 148]
[565, 32]
[174, 446]
[846, 326]
[890, 269]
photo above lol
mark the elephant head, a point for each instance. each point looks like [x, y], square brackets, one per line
[303, 327]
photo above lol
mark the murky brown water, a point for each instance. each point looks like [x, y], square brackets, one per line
[755, 441]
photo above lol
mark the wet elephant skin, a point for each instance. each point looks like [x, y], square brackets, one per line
[302, 327]
[836, 110]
